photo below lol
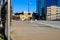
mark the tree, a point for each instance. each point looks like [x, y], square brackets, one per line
[11, 14]
[3, 17]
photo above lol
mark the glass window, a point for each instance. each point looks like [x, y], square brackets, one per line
[49, 9]
[59, 10]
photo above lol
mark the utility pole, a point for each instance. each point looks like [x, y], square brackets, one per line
[28, 6]
[9, 1]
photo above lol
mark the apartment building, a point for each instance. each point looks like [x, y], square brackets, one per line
[53, 13]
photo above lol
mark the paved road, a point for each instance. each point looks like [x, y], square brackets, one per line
[34, 31]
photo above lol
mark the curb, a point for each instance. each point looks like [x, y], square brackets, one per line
[12, 37]
[11, 30]
[49, 25]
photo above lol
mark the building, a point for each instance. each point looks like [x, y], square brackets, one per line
[58, 3]
[52, 3]
[53, 13]
[26, 16]
[42, 7]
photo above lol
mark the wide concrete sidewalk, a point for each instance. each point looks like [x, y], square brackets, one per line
[34, 31]
[55, 24]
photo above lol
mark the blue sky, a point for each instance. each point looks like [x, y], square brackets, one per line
[22, 5]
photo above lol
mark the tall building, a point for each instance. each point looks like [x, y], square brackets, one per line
[51, 2]
[40, 7]
[43, 4]
[58, 2]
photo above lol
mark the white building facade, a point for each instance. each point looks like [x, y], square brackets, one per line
[53, 13]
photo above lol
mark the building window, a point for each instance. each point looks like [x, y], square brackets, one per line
[58, 10]
[48, 10]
